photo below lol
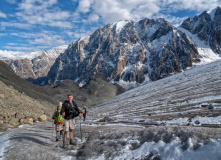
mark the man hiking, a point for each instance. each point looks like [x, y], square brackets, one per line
[69, 110]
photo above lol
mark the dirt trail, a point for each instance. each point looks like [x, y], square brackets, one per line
[103, 140]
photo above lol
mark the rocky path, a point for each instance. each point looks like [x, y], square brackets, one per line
[36, 142]
[113, 141]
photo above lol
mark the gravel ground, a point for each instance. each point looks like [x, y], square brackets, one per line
[102, 140]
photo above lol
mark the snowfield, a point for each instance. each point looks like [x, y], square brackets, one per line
[194, 92]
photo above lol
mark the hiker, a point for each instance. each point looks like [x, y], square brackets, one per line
[84, 113]
[59, 121]
[70, 110]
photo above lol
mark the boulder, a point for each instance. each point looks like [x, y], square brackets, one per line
[14, 121]
[10, 126]
[105, 119]
[43, 118]
[197, 122]
[210, 106]
[19, 115]
[28, 121]
[21, 121]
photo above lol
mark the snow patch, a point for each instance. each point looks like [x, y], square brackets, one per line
[119, 25]
[3, 144]
[212, 13]
[127, 85]
[204, 49]
[170, 151]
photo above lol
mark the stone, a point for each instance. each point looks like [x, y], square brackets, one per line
[10, 126]
[14, 121]
[28, 121]
[43, 118]
[197, 122]
[210, 106]
[21, 121]
[19, 115]
[105, 119]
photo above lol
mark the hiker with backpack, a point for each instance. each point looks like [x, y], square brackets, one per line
[84, 113]
[70, 110]
[59, 121]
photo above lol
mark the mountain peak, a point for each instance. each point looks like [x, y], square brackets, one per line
[120, 25]
[212, 13]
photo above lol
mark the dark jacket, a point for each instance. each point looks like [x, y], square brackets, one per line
[71, 111]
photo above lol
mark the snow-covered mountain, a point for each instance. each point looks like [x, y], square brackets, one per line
[35, 64]
[205, 31]
[137, 52]
[128, 51]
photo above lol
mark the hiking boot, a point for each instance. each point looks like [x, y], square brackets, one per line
[64, 144]
[71, 141]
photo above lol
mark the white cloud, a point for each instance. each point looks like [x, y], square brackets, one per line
[12, 1]
[15, 24]
[43, 12]
[2, 15]
[93, 18]
[84, 6]
[11, 44]
[37, 41]
[110, 11]
[11, 54]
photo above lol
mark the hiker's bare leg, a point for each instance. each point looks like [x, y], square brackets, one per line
[65, 135]
[71, 133]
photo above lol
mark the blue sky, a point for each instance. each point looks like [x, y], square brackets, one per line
[34, 25]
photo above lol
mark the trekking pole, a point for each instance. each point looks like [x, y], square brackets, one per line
[80, 128]
[52, 130]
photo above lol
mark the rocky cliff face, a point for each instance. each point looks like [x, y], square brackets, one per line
[207, 27]
[150, 49]
[126, 51]
[35, 66]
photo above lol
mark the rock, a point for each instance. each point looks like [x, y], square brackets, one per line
[210, 106]
[3, 127]
[28, 121]
[43, 118]
[14, 121]
[105, 119]
[197, 122]
[204, 105]
[206, 28]
[171, 56]
[21, 121]
[19, 115]
[10, 126]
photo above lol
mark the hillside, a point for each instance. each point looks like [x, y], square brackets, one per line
[17, 108]
[96, 91]
[8, 76]
[185, 97]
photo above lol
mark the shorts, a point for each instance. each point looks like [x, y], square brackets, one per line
[69, 124]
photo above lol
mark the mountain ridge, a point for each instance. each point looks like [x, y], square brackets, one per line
[142, 51]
